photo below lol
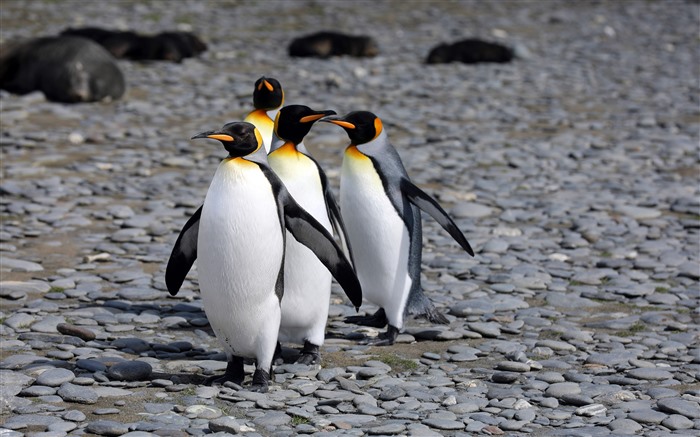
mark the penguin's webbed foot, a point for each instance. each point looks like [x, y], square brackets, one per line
[309, 354]
[384, 339]
[435, 316]
[261, 381]
[376, 320]
[234, 373]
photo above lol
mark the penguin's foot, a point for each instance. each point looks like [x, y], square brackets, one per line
[434, 316]
[261, 381]
[277, 359]
[309, 354]
[234, 373]
[384, 339]
[376, 320]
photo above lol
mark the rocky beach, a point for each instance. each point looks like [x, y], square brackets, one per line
[574, 171]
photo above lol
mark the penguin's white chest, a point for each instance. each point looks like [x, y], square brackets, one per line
[307, 282]
[240, 249]
[378, 236]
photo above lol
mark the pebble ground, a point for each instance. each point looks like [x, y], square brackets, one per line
[573, 171]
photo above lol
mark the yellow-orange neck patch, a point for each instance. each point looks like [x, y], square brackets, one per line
[287, 149]
[378, 127]
[353, 152]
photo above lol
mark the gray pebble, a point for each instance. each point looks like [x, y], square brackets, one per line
[647, 416]
[683, 407]
[676, 422]
[560, 389]
[18, 265]
[77, 331]
[388, 429]
[107, 427]
[74, 393]
[625, 426]
[513, 366]
[130, 371]
[55, 377]
[444, 424]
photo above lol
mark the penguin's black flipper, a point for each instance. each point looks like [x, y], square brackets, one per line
[423, 201]
[309, 232]
[334, 214]
[183, 255]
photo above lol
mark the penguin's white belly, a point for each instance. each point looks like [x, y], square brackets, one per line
[378, 237]
[307, 282]
[239, 256]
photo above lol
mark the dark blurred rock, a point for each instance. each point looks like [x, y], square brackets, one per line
[326, 44]
[166, 46]
[469, 51]
[66, 69]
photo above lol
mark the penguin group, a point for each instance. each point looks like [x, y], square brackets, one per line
[264, 240]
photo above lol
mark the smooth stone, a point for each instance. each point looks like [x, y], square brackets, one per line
[74, 416]
[592, 410]
[464, 408]
[37, 390]
[651, 374]
[273, 418]
[105, 411]
[676, 422]
[91, 365]
[20, 321]
[559, 389]
[470, 210]
[391, 393]
[54, 377]
[203, 411]
[683, 407]
[504, 377]
[76, 331]
[23, 287]
[513, 366]
[550, 377]
[75, 393]
[18, 265]
[578, 400]
[625, 426]
[568, 300]
[661, 392]
[107, 427]
[647, 416]
[388, 429]
[48, 324]
[444, 424]
[495, 245]
[130, 371]
[487, 329]
[21, 421]
[638, 213]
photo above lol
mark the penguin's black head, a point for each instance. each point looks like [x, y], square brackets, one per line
[239, 138]
[293, 122]
[361, 126]
[267, 94]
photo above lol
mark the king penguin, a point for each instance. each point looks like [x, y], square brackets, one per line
[268, 97]
[307, 283]
[238, 235]
[381, 210]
